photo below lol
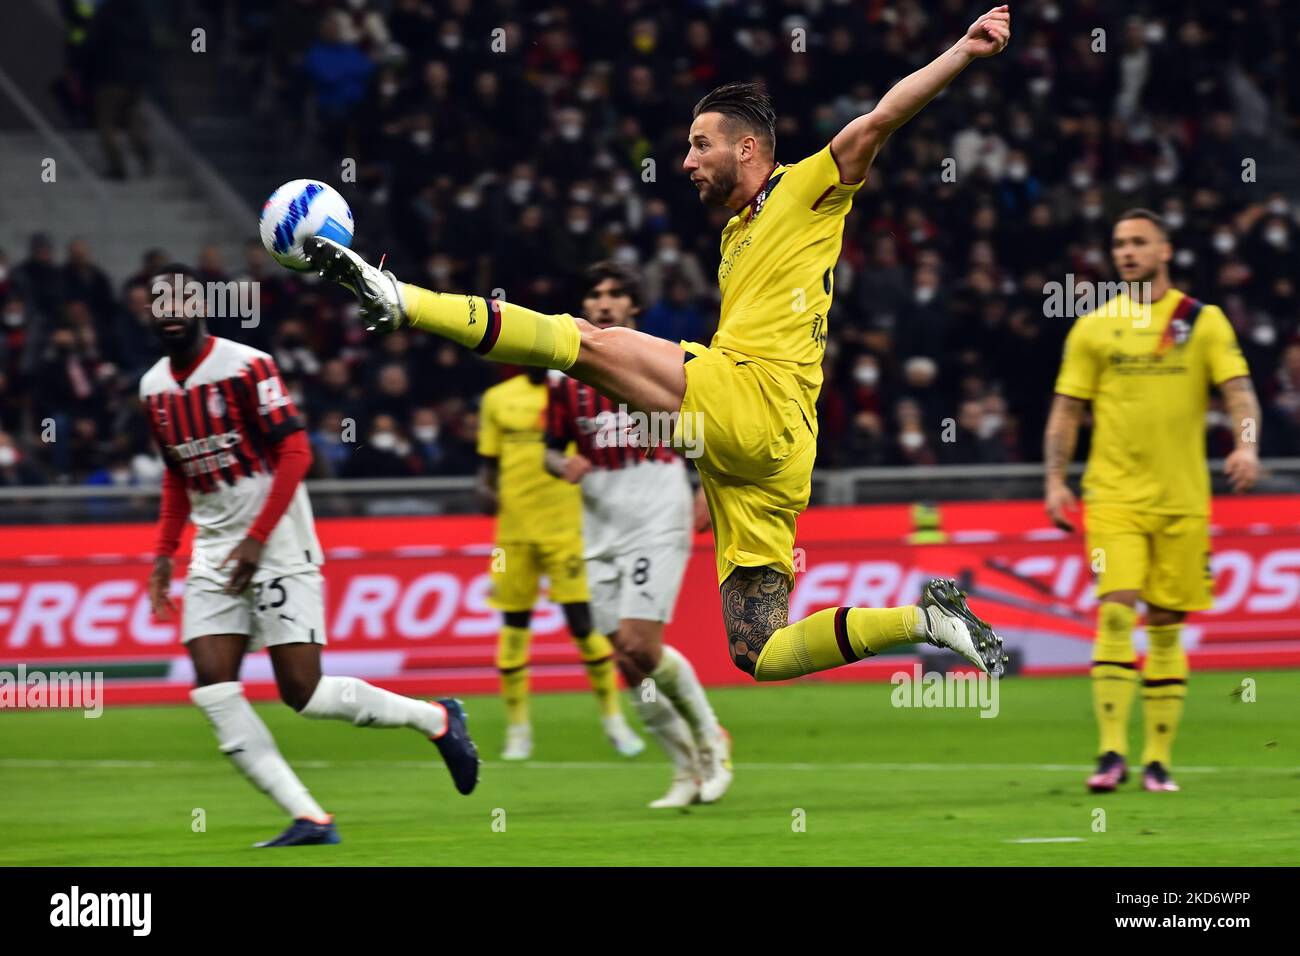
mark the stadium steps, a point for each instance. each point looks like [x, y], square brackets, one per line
[120, 220]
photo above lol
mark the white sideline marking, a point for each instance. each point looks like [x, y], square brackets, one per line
[19, 763]
[1046, 840]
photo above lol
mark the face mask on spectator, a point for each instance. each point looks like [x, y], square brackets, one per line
[4, 273]
[990, 425]
[426, 434]
[388, 90]
[1017, 172]
[924, 294]
[1164, 175]
[422, 138]
[668, 255]
[579, 226]
[451, 41]
[1040, 86]
[1094, 258]
[467, 200]
[1224, 242]
[1155, 32]
[581, 195]
[1277, 207]
[1091, 211]
[622, 185]
[8, 456]
[384, 441]
[1081, 179]
[518, 190]
[1264, 334]
[1126, 184]
[1175, 219]
[1275, 237]
[1184, 258]
[911, 441]
[866, 375]
[14, 318]
[570, 132]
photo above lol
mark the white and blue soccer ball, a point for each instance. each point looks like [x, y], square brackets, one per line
[296, 212]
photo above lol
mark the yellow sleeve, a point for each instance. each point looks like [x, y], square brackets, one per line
[1224, 354]
[1079, 366]
[489, 434]
[815, 183]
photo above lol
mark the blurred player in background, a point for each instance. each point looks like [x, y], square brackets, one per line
[750, 397]
[539, 532]
[1147, 370]
[235, 455]
[637, 517]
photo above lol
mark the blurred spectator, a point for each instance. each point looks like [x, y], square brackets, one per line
[385, 454]
[119, 59]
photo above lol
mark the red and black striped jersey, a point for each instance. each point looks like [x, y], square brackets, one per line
[607, 434]
[217, 424]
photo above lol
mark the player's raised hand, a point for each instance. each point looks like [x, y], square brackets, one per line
[1242, 469]
[990, 34]
[246, 555]
[160, 587]
[575, 466]
[1061, 504]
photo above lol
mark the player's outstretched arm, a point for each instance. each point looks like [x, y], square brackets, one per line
[1058, 450]
[1242, 465]
[855, 146]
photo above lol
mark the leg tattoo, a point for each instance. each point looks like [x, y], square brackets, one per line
[755, 602]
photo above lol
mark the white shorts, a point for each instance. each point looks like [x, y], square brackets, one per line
[640, 583]
[284, 610]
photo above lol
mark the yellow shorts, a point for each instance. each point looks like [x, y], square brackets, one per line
[517, 568]
[1165, 558]
[755, 457]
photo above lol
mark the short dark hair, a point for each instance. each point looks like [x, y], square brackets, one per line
[745, 105]
[1152, 217]
[625, 276]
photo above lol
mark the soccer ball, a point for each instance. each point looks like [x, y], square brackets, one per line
[296, 212]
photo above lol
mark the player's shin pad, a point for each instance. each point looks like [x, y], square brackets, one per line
[833, 637]
[1114, 675]
[498, 330]
[1164, 690]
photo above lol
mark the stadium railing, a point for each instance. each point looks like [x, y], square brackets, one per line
[95, 504]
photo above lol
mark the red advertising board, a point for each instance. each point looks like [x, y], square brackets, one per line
[406, 597]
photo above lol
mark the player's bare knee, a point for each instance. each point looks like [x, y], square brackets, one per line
[1163, 616]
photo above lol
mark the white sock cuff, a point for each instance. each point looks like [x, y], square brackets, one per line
[327, 696]
[211, 694]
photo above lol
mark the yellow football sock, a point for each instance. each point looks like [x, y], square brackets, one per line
[834, 637]
[512, 662]
[1114, 674]
[500, 331]
[1164, 689]
[598, 656]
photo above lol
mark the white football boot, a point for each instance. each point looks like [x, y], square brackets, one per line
[715, 767]
[379, 293]
[684, 790]
[519, 742]
[621, 736]
[950, 623]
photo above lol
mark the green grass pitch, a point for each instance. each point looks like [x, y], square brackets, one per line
[873, 785]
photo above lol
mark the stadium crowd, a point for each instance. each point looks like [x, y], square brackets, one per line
[512, 144]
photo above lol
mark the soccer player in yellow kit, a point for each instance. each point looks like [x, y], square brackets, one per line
[539, 532]
[1147, 370]
[749, 398]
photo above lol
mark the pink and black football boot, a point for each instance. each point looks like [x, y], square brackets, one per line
[1111, 772]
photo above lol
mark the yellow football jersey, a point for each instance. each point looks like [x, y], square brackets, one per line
[777, 273]
[535, 506]
[1148, 373]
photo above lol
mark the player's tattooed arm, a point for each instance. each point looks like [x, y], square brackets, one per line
[1242, 465]
[755, 602]
[1059, 439]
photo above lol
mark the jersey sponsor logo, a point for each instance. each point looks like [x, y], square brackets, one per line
[205, 446]
[270, 395]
